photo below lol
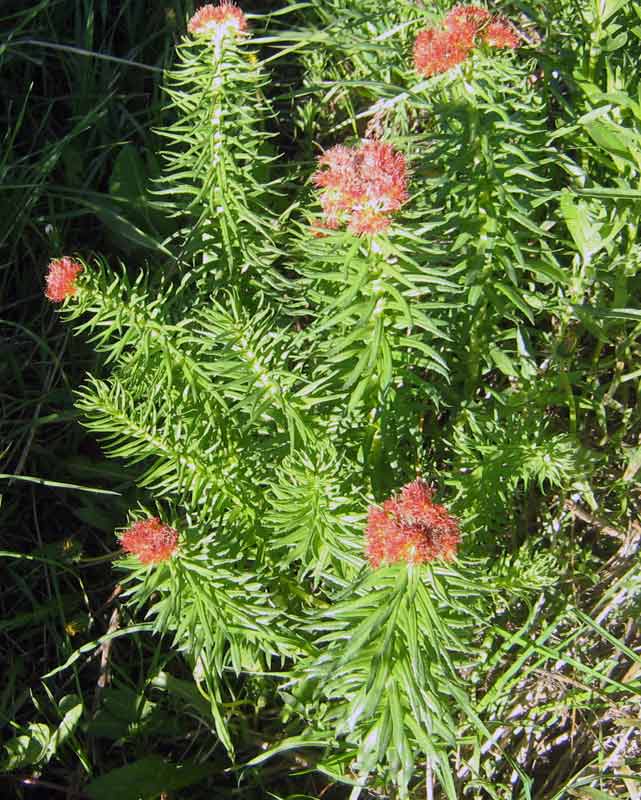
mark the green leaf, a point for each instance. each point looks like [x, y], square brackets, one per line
[587, 793]
[634, 463]
[291, 743]
[503, 362]
[46, 482]
[123, 713]
[129, 176]
[71, 708]
[610, 8]
[146, 779]
[118, 221]
[516, 298]
[620, 193]
[613, 43]
[28, 748]
[85, 648]
[585, 233]
[633, 314]
[621, 143]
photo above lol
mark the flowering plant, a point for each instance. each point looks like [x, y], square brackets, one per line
[317, 339]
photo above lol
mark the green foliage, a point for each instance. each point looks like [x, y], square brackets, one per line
[39, 743]
[389, 671]
[508, 456]
[314, 518]
[260, 386]
[152, 772]
[218, 168]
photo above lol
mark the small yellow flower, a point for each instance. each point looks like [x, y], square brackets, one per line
[78, 624]
[69, 549]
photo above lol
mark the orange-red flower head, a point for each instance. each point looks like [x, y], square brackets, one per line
[218, 21]
[61, 279]
[499, 33]
[464, 27]
[470, 18]
[410, 527]
[362, 186]
[151, 540]
[438, 51]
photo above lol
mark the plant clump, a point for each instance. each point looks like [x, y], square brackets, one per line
[273, 387]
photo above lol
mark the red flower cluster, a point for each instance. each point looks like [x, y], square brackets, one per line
[362, 186]
[467, 19]
[500, 33]
[151, 540]
[218, 20]
[410, 527]
[61, 279]
[437, 51]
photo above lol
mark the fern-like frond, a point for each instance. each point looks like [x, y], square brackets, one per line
[316, 517]
[219, 168]
[389, 668]
[150, 432]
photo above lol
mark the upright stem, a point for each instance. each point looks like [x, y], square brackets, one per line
[429, 780]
